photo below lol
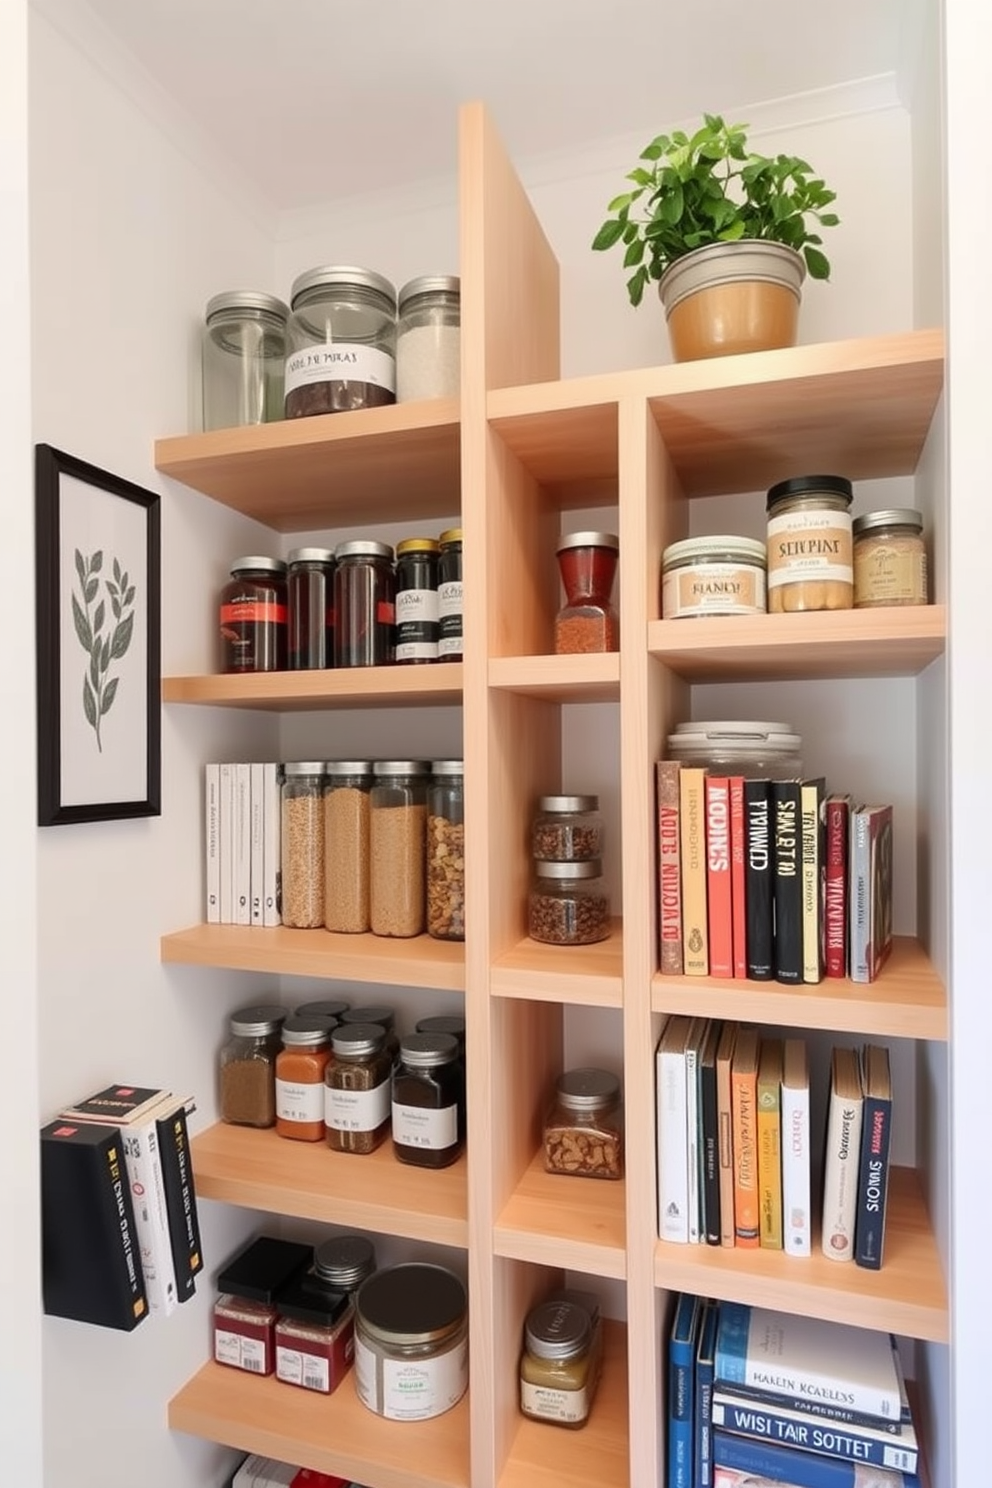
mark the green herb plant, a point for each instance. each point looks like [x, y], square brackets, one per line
[102, 643]
[711, 189]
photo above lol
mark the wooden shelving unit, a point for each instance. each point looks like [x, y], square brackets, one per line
[527, 449]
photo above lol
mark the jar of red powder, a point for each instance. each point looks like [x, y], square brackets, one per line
[587, 621]
[315, 1338]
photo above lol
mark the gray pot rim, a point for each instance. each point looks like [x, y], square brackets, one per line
[785, 266]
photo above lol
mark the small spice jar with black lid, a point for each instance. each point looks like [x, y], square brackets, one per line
[411, 1342]
[452, 1023]
[376, 1013]
[890, 559]
[332, 1008]
[314, 1338]
[583, 1130]
[244, 359]
[416, 635]
[254, 618]
[357, 1088]
[341, 342]
[810, 564]
[567, 829]
[428, 1108]
[364, 603]
[244, 1314]
[557, 1375]
[568, 903]
[588, 620]
[248, 1066]
[310, 602]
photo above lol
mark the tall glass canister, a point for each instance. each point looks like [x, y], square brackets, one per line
[244, 359]
[347, 786]
[446, 851]
[303, 844]
[341, 352]
[398, 846]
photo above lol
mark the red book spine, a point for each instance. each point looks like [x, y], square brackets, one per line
[738, 856]
[835, 892]
[719, 906]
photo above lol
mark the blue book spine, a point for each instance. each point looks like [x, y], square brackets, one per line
[834, 1439]
[802, 1469]
[703, 1464]
[681, 1390]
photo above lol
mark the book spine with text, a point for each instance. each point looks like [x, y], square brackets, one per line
[710, 1137]
[256, 807]
[180, 1195]
[672, 1135]
[744, 1086]
[143, 1163]
[787, 860]
[211, 841]
[859, 889]
[738, 866]
[719, 895]
[271, 845]
[840, 1169]
[693, 1048]
[758, 866]
[873, 1181]
[703, 1405]
[811, 815]
[804, 1432]
[770, 1143]
[226, 826]
[681, 1390]
[797, 1214]
[776, 1464]
[836, 811]
[692, 828]
[242, 844]
[725, 1130]
[669, 868]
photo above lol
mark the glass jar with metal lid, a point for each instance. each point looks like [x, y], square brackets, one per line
[243, 353]
[398, 847]
[739, 746]
[558, 1372]
[357, 1090]
[428, 335]
[347, 785]
[253, 616]
[416, 634]
[428, 1104]
[809, 544]
[342, 1263]
[364, 603]
[376, 1013]
[890, 559]
[310, 601]
[446, 851]
[713, 576]
[300, 1065]
[341, 342]
[248, 1065]
[303, 844]
[449, 595]
[567, 829]
[568, 903]
[588, 620]
[411, 1341]
[583, 1130]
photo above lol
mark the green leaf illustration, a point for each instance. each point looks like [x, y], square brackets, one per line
[80, 567]
[98, 617]
[122, 636]
[115, 606]
[105, 653]
[96, 562]
[89, 592]
[117, 571]
[95, 671]
[82, 625]
[89, 703]
[129, 596]
[109, 695]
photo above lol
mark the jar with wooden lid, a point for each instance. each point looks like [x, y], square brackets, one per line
[713, 576]
[300, 1066]
[303, 844]
[810, 563]
[583, 1130]
[357, 1088]
[568, 903]
[248, 1066]
[890, 559]
[557, 1378]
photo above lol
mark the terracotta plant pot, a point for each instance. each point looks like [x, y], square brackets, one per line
[732, 297]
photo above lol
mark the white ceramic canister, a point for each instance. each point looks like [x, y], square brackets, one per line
[721, 575]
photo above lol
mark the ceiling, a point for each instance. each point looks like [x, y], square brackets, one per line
[316, 100]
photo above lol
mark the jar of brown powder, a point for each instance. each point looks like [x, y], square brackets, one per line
[398, 847]
[248, 1066]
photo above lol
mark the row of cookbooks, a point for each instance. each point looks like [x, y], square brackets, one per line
[764, 1399]
[770, 879]
[119, 1225]
[736, 1160]
[242, 842]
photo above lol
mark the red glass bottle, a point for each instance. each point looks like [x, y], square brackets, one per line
[588, 620]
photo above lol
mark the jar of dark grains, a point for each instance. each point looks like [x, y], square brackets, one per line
[398, 847]
[449, 595]
[364, 604]
[254, 617]
[347, 785]
[300, 1065]
[248, 1066]
[568, 903]
[357, 1089]
[567, 829]
[428, 1101]
[310, 601]
[244, 359]
[376, 1013]
[587, 621]
[446, 851]
[303, 844]
[341, 342]
[583, 1130]
[416, 600]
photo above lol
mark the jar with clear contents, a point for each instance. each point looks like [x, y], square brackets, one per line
[890, 559]
[300, 1066]
[810, 563]
[357, 1088]
[398, 847]
[428, 338]
[341, 342]
[583, 1130]
[248, 1066]
[568, 903]
[244, 359]
[446, 851]
[347, 786]
[557, 1377]
[567, 829]
[303, 844]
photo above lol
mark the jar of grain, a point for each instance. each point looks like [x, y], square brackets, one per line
[303, 844]
[567, 829]
[428, 1102]
[248, 1066]
[568, 903]
[341, 342]
[587, 621]
[300, 1065]
[398, 847]
[446, 851]
[810, 564]
[583, 1130]
[357, 1088]
[347, 784]
[890, 559]
[428, 335]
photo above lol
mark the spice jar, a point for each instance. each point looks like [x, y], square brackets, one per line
[428, 1108]
[364, 603]
[713, 576]
[428, 334]
[411, 1342]
[248, 1066]
[243, 354]
[809, 544]
[567, 829]
[416, 600]
[587, 621]
[331, 1009]
[446, 851]
[253, 616]
[374, 1013]
[347, 784]
[310, 590]
[342, 1263]
[583, 1130]
[750, 747]
[244, 1314]
[568, 903]
[341, 341]
[300, 1066]
[449, 595]
[398, 847]
[557, 1380]
[314, 1338]
[357, 1089]
[452, 1023]
[303, 844]
[890, 559]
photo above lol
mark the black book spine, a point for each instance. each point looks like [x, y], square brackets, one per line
[710, 1151]
[758, 865]
[788, 880]
[873, 1182]
[180, 1199]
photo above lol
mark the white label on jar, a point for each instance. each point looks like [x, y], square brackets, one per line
[242, 1352]
[308, 1370]
[296, 1102]
[450, 646]
[357, 1110]
[552, 1404]
[893, 572]
[713, 589]
[416, 607]
[366, 1384]
[341, 361]
[810, 545]
[416, 1126]
[449, 599]
[415, 1389]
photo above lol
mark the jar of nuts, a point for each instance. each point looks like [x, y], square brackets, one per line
[446, 851]
[568, 903]
[583, 1130]
[567, 829]
[810, 557]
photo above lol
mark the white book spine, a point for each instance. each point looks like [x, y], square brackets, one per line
[211, 841]
[242, 844]
[144, 1173]
[226, 815]
[840, 1177]
[256, 797]
[271, 845]
[795, 1149]
[859, 916]
[693, 1143]
[673, 1167]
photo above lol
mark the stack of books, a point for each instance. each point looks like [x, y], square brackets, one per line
[242, 843]
[770, 879]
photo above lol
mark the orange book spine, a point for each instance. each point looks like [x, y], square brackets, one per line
[692, 841]
[719, 907]
[669, 869]
[744, 1094]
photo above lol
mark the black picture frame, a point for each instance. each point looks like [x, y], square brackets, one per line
[98, 638]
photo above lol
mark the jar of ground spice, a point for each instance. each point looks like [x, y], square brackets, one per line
[314, 1338]
[347, 785]
[303, 844]
[341, 342]
[587, 621]
[428, 1110]
[300, 1066]
[357, 1088]
[398, 847]
[428, 338]
[568, 903]
[248, 1066]
[446, 851]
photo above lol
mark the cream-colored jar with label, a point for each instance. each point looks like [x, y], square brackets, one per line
[721, 575]
[890, 559]
[810, 560]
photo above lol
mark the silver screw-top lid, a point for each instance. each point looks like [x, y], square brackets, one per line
[428, 1050]
[338, 275]
[557, 1330]
[257, 563]
[322, 1008]
[584, 868]
[363, 547]
[373, 1013]
[428, 284]
[246, 299]
[348, 767]
[401, 767]
[258, 1020]
[310, 555]
[588, 540]
[344, 1261]
[447, 767]
[306, 1032]
[568, 803]
[904, 516]
[587, 1089]
[303, 767]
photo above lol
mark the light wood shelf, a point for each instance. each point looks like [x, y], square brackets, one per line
[334, 1434]
[261, 1170]
[907, 1001]
[586, 976]
[418, 962]
[551, 1219]
[352, 687]
[907, 1296]
[562, 679]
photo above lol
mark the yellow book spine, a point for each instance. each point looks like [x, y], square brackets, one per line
[770, 1144]
[692, 824]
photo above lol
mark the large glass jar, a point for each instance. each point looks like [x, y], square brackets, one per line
[411, 1341]
[357, 1090]
[300, 1066]
[253, 616]
[244, 359]
[810, 562]
[398, 847]
[248, 1066]
[310, 601]
[364, 604]
[557, 1374]
[341, 342]
[347, 785]
[428, 336]
[588, 620]
[416, 601]
[752, 747]
[428, 1110]
[568, 903]
[303, 844]
[449, 595]
[314, 1338]
[583, 1130]
[446, 851]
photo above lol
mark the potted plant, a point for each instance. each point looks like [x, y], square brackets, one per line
[728, 234]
